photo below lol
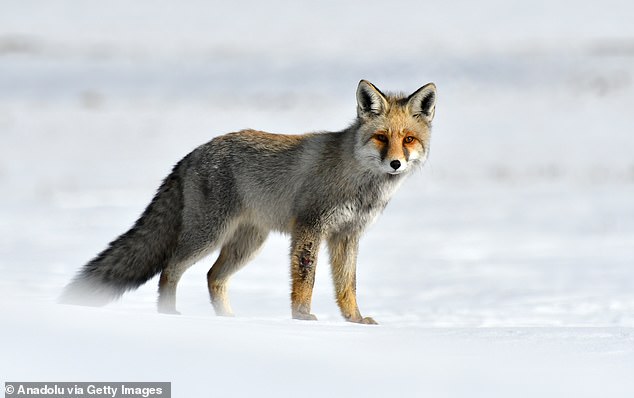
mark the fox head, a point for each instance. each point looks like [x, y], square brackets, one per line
[394, 130]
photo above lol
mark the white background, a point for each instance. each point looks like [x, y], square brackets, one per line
[503, 268]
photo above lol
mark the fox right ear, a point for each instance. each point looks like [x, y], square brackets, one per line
[370, 100]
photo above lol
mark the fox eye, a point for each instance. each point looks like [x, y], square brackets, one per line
[380, 137]
[408, 140]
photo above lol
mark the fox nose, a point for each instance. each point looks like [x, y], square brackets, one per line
[395, 164]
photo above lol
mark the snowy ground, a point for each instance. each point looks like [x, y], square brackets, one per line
[504, 268]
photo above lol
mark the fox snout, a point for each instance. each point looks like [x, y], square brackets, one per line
[395, 164]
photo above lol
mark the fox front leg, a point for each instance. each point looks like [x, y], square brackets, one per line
[343, 260]
[304, 250]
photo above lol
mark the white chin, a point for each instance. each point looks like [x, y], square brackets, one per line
[396, 172]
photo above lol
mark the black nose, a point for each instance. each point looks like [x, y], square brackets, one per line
[395, 164]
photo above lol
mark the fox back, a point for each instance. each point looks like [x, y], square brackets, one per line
[229, 193]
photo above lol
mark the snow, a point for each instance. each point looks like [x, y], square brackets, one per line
[503, 268]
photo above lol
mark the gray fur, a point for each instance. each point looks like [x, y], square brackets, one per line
[228, 194]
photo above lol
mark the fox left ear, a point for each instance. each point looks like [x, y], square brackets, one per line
[423, 102]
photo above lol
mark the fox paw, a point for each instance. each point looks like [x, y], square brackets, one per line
[369, 321]
[304, 316]
[364, 321]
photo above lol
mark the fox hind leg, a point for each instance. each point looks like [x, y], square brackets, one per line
[167, 287]
[188, 251]
[241, 246]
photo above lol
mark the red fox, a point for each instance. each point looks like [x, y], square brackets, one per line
[230, 192]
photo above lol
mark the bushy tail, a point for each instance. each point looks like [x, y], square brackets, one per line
[136, 256]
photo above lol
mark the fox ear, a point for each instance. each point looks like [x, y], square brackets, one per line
[370, 100]
[423, 102]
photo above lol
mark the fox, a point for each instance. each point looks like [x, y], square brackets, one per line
[230, 193]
